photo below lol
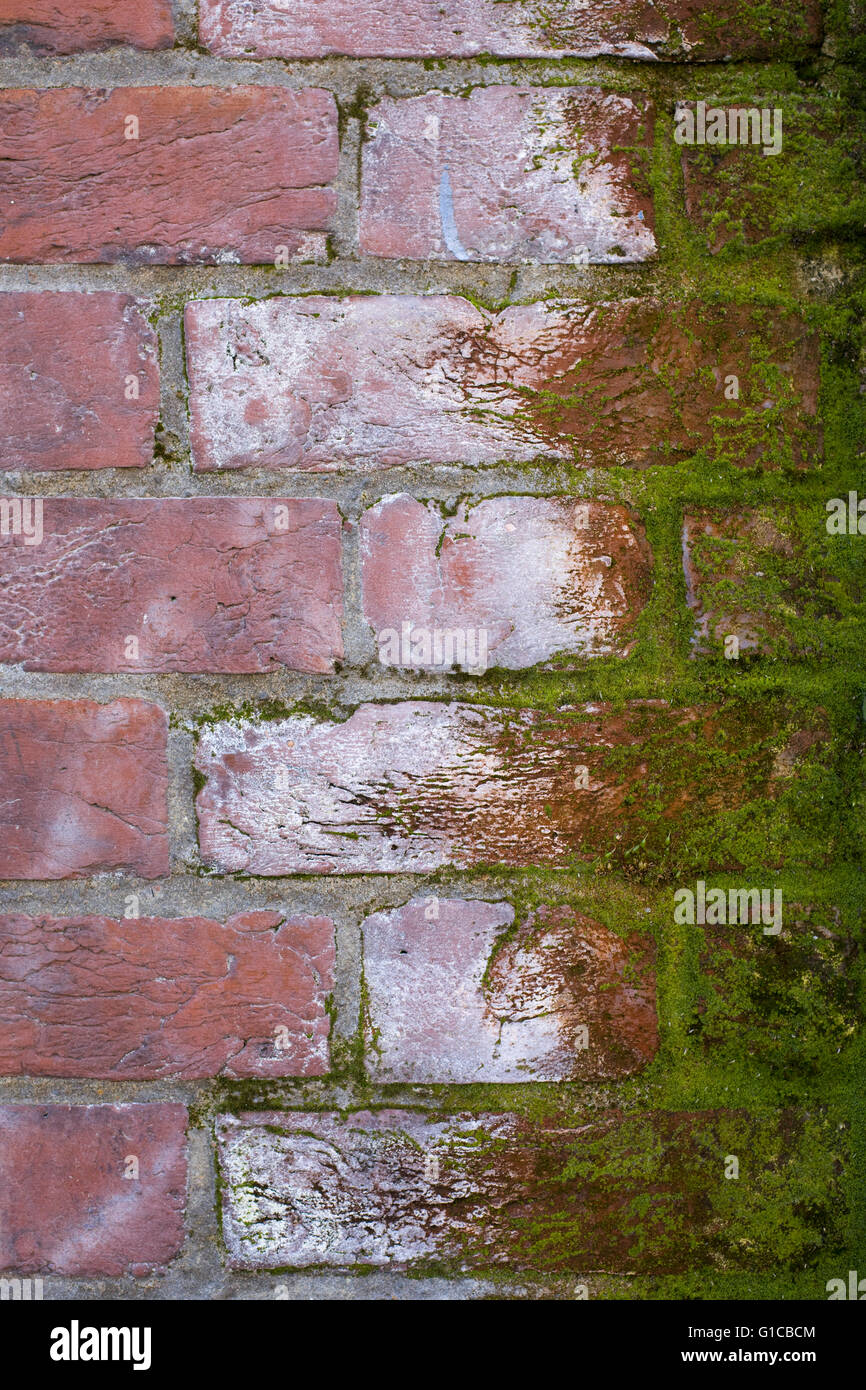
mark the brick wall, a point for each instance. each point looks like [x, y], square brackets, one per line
[431, 700]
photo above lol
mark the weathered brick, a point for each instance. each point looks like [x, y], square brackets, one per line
[695, 29]
[644, 1194]
[84, 788]
[514, 175]
[91, 1189]
[814, 182]
[749, 576]
[527, 577]
[79, 382]
[410, 787]
[215, 175]
[139, 999]
[71, 26]
[382, 381]
[783, 1001]
[198, 584]
[455, 995]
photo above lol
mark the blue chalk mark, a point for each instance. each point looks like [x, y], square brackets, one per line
[446, 215]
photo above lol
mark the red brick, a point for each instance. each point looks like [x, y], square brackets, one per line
[382, 381]
[723, 555]
[216, 175]
[643, 1193]
[71, 26]
[781, 1001]
[734, 193]
[696, 29]
[84, 788]
[410, 787]
[66, 368]
[453, 996]
[66, 1206]
[537, 175]
[202, 584]
[132, 1000]
[527, 576]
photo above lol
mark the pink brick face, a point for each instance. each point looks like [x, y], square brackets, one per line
[413, 786]
[70, 26]
[66, 1206]
[384, 381]
[215, 175]
[698, 29]
[79, 382]
[152, 997]
[528, 576]
[178, 584]
[397, 1188]
[85, 788]
[491, 177]
[455, 997]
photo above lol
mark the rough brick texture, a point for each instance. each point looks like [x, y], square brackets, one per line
[534, 575]
[379, 381]
[198, 584]
[431, 558]
[721, 557]
[84, 788]
[696, 29]
[213, 175]
[780, 1001]
[413, 786]
[398, 1188]
[69, 26]
[491, 177]
[66, 1206]
[811, 182]
[453, 997]
[138, 999]
[79, 382]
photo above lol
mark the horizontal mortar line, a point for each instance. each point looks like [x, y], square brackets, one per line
[354, 491]
[481, 280]
[348, 899]
[214, 1280]
[181, 66]
[351, 493]
[220, 890]
[360, 275]
[188, 693]
[333, 1090]
[189, 710]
